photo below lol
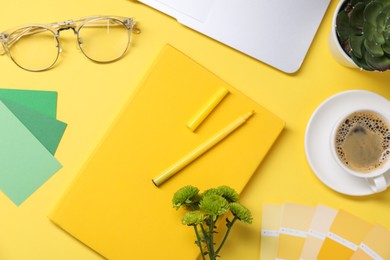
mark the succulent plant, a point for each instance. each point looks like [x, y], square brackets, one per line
[363, 29]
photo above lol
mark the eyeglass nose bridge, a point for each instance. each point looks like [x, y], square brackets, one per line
[66, 25]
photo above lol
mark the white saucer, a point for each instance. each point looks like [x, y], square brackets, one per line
[317, 139]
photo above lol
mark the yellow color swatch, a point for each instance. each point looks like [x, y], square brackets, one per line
[322, 220]
[272, 215]
[375, 245]
[296, 220]
[345, 234]
[113, 206]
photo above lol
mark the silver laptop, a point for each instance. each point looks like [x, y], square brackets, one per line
[276, 32]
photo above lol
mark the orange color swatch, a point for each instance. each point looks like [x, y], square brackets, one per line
[375, 245]
[344, 237]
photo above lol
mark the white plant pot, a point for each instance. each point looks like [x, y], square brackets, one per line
[335, 48]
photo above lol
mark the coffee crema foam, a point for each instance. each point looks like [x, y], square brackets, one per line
[362, 141]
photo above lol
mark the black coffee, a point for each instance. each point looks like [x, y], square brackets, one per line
[362, 141]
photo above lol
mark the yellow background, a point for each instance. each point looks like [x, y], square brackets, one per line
[91, 95]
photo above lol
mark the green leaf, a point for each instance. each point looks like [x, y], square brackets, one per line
[378, 63]
[356, 16]
[361, 62]
[355, 2]
[387, 8]
[372, 11]
[342, 26]
[373, 48]
[379, 38]
[386, 3]
[380, 22]
[369, 31]
[386, 11]
[356, 42]
[386, 34]
[386, 48]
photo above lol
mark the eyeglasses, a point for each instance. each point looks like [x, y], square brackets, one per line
[36, 47]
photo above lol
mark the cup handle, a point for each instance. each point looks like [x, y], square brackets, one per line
[378, 184]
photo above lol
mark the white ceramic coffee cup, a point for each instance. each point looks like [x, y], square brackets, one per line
[375, 178]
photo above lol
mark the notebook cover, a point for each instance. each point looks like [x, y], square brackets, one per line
[113, 206]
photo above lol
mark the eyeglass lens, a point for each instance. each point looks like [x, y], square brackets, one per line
[35, 48]
[104, 40]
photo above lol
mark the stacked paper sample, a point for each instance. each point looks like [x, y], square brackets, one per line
[294, 231]
[29, 137]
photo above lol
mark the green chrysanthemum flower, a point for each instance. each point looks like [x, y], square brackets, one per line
[241, 212]
[203, 211]
[211, 191]
[185, 195]
[193, 218]
[228, 193]
[214, 205]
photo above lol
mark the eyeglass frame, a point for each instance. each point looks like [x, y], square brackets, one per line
[75, 25]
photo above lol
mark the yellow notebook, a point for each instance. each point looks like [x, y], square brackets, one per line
[113, 206]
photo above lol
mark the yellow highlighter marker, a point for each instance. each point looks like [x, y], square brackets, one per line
[190, 157]
[207, 108]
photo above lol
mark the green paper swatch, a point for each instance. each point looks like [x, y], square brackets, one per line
[25, 164]
[46, 129]
[44, 102]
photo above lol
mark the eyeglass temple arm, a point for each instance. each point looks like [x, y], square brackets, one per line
[3, 37]
[2, 51]
[131, 25]
[27, 31]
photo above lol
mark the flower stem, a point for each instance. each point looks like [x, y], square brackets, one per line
[207, 240]
[212, 254]
[199, 241]
[230, 225]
